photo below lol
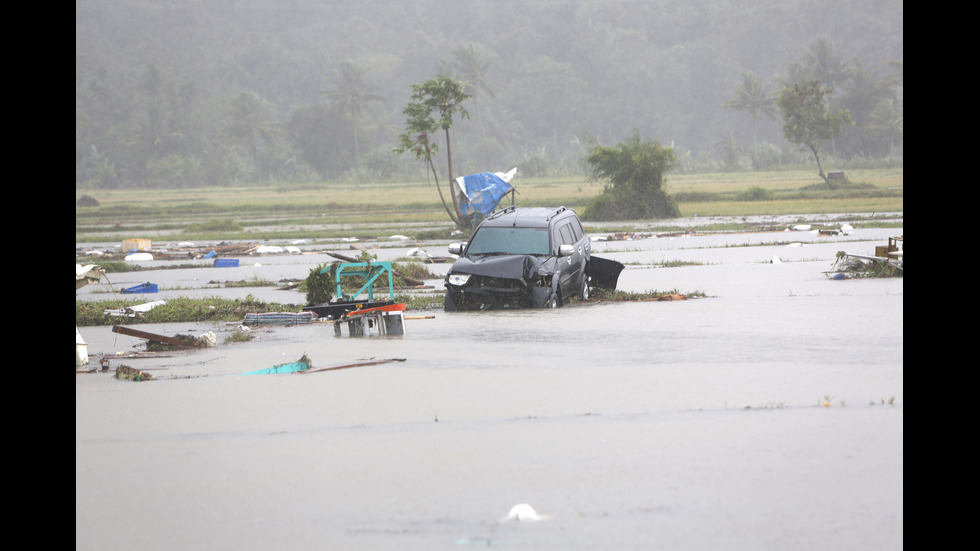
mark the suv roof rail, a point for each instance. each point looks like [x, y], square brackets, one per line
[558, 211]
[501, 212]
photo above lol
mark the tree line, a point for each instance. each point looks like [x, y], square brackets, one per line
[182, 94]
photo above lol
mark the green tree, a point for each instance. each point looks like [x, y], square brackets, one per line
[441, 97]
[323, 140]
[826, 63]
[752, 95]
[635, 184]
[548, 93]
[247, 122]
[807, 121]
[869, 100]
[469, 66]
[354, 95]
[730, 150]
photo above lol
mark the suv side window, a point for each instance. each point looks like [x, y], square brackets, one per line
[577, 230]
[567, 237]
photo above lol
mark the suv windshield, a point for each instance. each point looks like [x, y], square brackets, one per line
[510, 241]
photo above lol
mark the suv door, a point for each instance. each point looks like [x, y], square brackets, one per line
[584, 246]
[572, 266]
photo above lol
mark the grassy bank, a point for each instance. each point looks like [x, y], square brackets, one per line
[327, 210]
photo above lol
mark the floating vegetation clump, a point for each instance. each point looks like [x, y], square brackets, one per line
[851, 267]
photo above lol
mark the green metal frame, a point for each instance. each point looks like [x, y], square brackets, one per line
[370, 271]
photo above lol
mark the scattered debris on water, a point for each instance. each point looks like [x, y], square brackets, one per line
[162, 342]
[888, 261]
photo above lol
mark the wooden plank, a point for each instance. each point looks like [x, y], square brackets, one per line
[348, 366]
[400, 307]
[157, 338]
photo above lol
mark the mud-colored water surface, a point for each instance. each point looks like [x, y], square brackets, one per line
[768, 415]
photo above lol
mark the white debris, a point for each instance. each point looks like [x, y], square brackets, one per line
[139, 257]
[81, 349]
[523, 513]
[269, 249]
[132, 311]
[776, 260]
[209, 339]
[507, 176]
[147, 306]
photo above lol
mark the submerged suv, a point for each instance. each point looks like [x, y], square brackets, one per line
[526, 258]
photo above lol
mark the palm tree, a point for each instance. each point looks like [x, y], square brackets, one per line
[469, 66]
[354, 95]
[826, 63]
[897, 79]
[247, 122]
[752, 95]
[730, 149]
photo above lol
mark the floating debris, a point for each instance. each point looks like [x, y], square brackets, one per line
[126, 373]
[279, 318]
[523, 513]
[378, 321]
[303, 364]
[137, 311]
[350, 365]
[139, 257]
[888, 261]
[665, 298]
[163, 342]
[142, 288]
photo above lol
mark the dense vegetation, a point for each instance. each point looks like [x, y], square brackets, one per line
[634, 174]
[230, 92]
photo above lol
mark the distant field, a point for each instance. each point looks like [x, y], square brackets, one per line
[266, 212]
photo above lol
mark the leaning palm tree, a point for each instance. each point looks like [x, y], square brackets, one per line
[353, 94]
[440, 97]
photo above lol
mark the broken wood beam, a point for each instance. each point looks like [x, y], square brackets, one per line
[173, 341]
[350, 365]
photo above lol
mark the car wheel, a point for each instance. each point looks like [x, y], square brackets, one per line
[554, 301]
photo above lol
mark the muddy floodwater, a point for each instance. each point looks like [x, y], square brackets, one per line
[766, 416]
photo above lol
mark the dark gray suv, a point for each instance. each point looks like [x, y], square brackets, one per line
[526, 258]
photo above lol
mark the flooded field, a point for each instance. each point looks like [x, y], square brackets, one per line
[767, 415]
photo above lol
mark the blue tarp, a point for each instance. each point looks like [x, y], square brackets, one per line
[483, 191]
